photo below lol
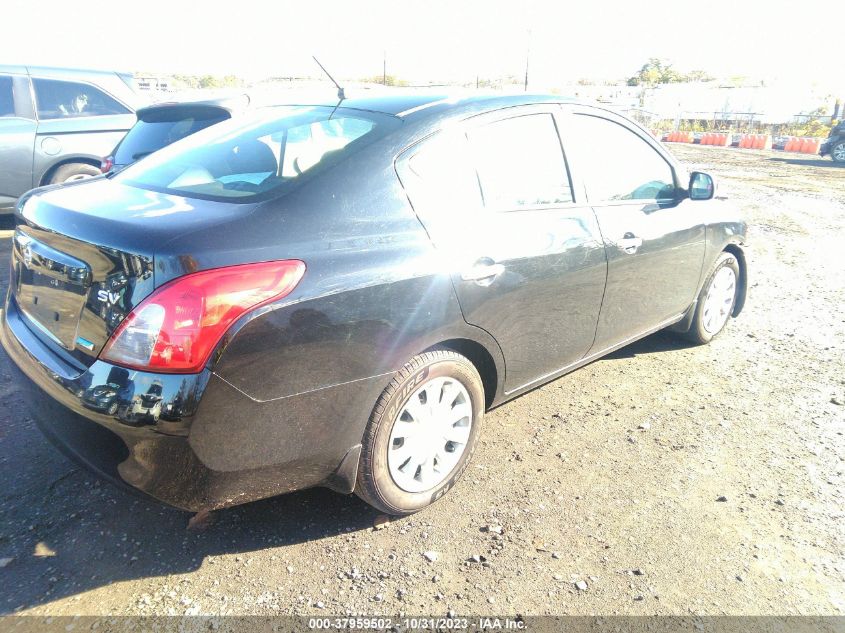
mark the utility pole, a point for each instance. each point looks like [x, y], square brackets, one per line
[527, 58]
[384, 69]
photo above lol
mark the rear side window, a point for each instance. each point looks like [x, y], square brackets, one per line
[619, 165]
[161, 129]
[249, 158]
[520, 163]
[65, 99]
[7, 99]
[440, 179]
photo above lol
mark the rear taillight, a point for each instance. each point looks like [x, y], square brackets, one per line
[176, 329]
[106, 164]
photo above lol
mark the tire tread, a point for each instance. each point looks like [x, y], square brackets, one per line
[366, 486]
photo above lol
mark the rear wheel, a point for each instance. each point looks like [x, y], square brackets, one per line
[837, 152]
[716, 300]
[74, 171]
[422, 433]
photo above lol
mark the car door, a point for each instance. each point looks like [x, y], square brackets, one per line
[654, 241]
[76, 120]
[523, 250]
[17, 138]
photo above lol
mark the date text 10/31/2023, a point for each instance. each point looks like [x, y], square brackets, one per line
[417, 624]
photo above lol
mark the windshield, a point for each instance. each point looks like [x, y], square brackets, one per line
[244, 160]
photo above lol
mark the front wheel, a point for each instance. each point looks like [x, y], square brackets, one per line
[837, 152]
[716, 301]
[422, 433]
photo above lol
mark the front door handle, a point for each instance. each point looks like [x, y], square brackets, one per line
[629, 243]
[483, 272]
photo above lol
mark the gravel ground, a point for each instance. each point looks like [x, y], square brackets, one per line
[664, 479]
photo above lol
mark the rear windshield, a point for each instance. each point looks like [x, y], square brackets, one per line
[246, 160]
[162, 128]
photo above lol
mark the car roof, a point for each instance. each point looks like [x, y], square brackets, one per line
[58, 71]
[420, 105]
[10, 69]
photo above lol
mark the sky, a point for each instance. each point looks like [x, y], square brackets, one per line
[435, 40]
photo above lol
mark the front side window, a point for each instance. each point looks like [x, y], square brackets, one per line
[520, 163]
[7, 99]
[65, 99]
[617, 164]
[242, 159]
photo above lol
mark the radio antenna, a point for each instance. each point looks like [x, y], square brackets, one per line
[340, 94]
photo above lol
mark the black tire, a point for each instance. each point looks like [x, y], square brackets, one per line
[112, 408]
[71, 170]
[698, 333]
[838, 148]
[375, 484]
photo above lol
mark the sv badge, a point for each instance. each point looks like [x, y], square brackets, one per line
[108, 297]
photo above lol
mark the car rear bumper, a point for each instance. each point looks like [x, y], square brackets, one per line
[208, 446]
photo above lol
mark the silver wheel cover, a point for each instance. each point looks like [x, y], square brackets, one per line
[719, 301]
[430, 434]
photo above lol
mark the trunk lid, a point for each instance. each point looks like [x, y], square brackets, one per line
[84, 258]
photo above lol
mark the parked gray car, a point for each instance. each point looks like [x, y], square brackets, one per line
[56, 124]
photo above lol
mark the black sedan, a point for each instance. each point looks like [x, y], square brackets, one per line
[335, 294]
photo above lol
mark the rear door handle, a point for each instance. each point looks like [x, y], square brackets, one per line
[483, 272]
[629, 243]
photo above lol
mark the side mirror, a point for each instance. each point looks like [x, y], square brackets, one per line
[701, 186]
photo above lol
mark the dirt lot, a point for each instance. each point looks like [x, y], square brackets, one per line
[610, 476]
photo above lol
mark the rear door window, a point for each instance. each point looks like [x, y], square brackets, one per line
[7, 97]
[66, 99]
[520, 163]
[440, 179]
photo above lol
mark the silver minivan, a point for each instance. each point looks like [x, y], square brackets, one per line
[56, 124]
